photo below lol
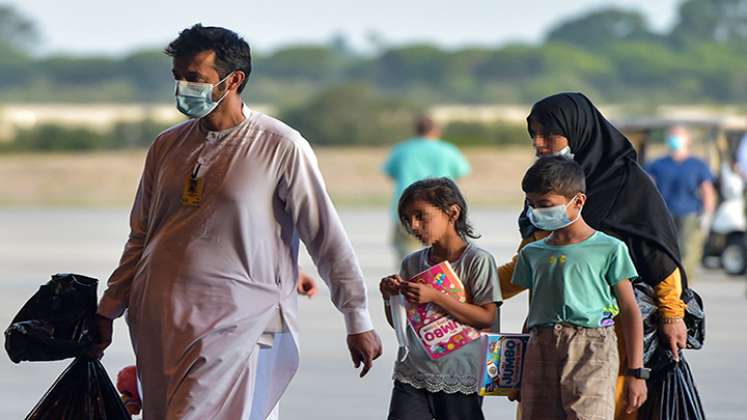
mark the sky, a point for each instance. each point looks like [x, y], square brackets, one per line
[117, 27]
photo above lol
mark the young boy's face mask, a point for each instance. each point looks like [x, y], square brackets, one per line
[552, 218]
[195, 100]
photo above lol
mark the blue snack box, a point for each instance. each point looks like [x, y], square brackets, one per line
[502, 363]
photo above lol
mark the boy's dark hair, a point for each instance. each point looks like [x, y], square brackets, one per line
[441, 193]
[231, 51]
[555, 174]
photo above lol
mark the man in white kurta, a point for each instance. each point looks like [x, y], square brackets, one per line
[208, 283]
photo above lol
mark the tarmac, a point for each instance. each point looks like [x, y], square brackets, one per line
[36, 243]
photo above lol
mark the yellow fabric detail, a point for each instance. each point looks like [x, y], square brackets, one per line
[506, 271]
[669, 293]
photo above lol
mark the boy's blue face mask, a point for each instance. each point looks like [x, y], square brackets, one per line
[195, 100]
[551, 218]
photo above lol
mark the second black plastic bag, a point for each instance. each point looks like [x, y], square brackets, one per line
[83, 391]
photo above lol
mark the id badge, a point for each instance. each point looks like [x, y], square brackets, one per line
[193, 190]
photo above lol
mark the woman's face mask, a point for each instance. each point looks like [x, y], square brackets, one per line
[552, 218]
[565, 152]
[195, 100]
[548, 143]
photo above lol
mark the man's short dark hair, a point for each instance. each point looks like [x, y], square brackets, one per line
[231, 51]
[424, 125]
[556, 175]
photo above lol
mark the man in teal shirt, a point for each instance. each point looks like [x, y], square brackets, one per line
[421, 157]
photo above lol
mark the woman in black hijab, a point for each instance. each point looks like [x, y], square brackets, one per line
[622, 202]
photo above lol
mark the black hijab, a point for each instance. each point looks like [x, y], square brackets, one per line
[622, 199]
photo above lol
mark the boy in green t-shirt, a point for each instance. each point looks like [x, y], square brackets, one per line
[577, 277]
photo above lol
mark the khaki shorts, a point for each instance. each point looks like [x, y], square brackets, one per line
[570, 373]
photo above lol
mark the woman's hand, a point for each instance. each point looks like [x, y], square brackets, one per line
[419, 293]
[390, 285]
[675, 336]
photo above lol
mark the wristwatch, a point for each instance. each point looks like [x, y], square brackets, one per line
[640, 373]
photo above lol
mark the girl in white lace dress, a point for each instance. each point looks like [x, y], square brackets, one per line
[434, 211]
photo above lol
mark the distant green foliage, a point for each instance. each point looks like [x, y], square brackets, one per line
[480, 134]
[53, 138]
[352, 115]
[349, 115]
[57, 138]
[598, 29]
[717, 21]
[16, 31]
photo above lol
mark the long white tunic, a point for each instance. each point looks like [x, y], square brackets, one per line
[201, 283]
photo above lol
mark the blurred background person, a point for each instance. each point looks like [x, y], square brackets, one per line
[420, 157]
[686, 183]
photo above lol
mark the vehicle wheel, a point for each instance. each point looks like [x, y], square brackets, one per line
[712, 247]
[734, 257]
[711, 262]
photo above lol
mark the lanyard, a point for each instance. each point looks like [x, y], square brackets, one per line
[193, 177]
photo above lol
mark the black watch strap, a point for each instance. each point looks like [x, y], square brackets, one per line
[640, 373]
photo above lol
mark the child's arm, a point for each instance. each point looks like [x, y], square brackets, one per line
[389, 286]
[632, 326]
[478, 316]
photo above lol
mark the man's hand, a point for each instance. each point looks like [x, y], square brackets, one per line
[674, 335]
[364, 348]
[390, 285]
[104, 326]
[306, 285]
[635, 393]
[419, 293]
[706, 219]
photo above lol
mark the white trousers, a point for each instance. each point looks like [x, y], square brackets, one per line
[256, 366]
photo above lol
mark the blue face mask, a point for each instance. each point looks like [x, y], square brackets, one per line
[565, 152]
[195, 100]
[675, 143]
[551, 218]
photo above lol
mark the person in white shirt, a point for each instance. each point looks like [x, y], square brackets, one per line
[208, 276]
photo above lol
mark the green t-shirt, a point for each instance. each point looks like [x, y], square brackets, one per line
[572, 284]
[421, 158]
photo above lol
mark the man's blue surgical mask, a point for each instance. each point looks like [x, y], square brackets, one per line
[551, 218]
[675, 143]
[194, 99]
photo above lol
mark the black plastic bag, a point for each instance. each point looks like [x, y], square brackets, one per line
[672, 393]
[83, 391]
[58, 322]
[694, 320]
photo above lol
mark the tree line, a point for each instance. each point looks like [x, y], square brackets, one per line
[336, 95]
[612, 54]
